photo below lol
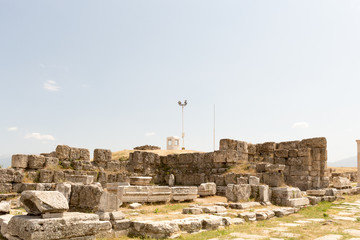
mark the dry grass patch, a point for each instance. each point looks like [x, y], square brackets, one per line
[124, 154]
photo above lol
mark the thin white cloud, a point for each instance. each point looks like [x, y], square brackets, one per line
[301, 125]
[148, 134]
[12, 129]
[39, 136]
[51, 85]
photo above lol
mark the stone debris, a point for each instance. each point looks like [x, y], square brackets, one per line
[135, 205]
[207, 189]
[341, 182]
[40, 202]
[4, 207]
[192, 210]
[244, 205]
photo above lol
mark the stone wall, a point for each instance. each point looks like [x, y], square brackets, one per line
[305, 164]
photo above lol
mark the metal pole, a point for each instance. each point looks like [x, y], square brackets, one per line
[214, 127]
[183, 133]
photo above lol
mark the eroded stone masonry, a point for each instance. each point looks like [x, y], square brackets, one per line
[60, 188]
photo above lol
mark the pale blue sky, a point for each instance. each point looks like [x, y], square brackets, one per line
[108, 74]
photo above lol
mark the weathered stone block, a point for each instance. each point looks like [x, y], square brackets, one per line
[39, 202]
[36, 161]
[140, 181]
[314, 200]
[5, 187]
[313, 143]
[192, 210]
[297, 202]
[293, 153]
[316, 192]
[59, 176]
[341, 182]
[83, 226]
[184, 193]
[84, 179]
[102, 155]
[235, 192]
[281, 153]
[19, 161]
[207, 189]
[158, 230]
[254, 180]
[4, 207]
[273, 179]
[51, 162]
[63, 152]
[85, 197]
[290, 145]
[46, 176]
[266, 147]
[64, 189]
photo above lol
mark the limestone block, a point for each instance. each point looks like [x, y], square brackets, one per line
[5, 187]
[242, 180]
[316, 192]
[285, 192]
[84, 179]
[238, 192]
[261, 216]
[83, 226]
[293, 153]
[331, 192]
[230, 178]
[109, 202]
[133, 194]
[51, 162]
[211, 223]
[65, 189]
[274, 168]
[294, 162]
[123, 224]
[59, 176]
[19, 161]
[63, 152]
[254, 180]
[140, 181]
[189, 225]
[248, 216]
[102, 155]
[213, 209]
[85, 197]
[39, 202]
[75, 154]
[113, 165]
[229, 144]
[341, 182]
[278, 160]
[328, 198]
[313, 143]
[219, 180]
[36, 161]
[171, 180]
[304, 152]
[4, 207]
[192, 210]
[266, 147]
[244, 205]
[281, 212]
[207, 189]
[135, 205]
[314, 200]
[46, 176]
[263, 193]
[281, 153]
[251, 149]
[273, 179]
[290, 145]
[159, 194]
[184, 193]
[297, 202]
[157, 230]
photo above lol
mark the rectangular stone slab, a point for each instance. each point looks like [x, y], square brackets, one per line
[70, 226]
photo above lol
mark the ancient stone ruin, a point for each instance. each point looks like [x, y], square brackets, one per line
[66, 187]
